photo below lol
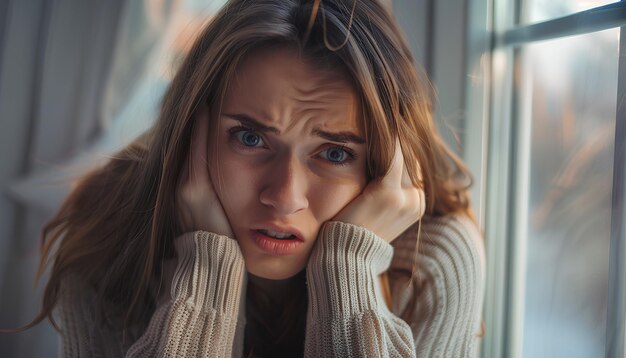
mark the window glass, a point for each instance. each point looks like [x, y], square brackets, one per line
[567, 90]
[542, 10]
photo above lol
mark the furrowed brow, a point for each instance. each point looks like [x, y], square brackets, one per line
[341, 137]
[251, 122]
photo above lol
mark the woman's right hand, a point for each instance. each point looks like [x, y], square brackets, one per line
[198, 204]
[388, 205]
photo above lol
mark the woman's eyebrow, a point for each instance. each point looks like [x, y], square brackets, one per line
[340, 137]
[252, 123]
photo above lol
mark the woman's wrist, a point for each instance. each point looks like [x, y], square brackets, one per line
[339, 241]
[207, 262]
[343, 270]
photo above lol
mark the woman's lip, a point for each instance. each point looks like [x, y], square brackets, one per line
[274, 246]
[282, 229]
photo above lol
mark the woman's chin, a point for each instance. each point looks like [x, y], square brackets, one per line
[273, 267]
[274, 273]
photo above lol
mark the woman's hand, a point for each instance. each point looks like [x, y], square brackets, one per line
[198, 205]
[387, 206]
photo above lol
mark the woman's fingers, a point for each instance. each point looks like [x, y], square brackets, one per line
[199, 167]
[398, 175]
[390, 205]
[394, 175]
[198, 203]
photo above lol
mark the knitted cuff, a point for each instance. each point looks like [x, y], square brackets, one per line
[343, 270]
[210, 271]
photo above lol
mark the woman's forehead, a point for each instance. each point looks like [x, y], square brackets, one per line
[278, 86]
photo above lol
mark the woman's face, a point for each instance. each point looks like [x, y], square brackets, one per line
[287, 153]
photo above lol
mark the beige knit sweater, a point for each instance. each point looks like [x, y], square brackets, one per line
[202, 316]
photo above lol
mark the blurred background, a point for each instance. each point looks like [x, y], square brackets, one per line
[530, 94]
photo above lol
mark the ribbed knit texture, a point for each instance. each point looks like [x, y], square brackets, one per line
[203, 315]
[448, 284]
[347, 316]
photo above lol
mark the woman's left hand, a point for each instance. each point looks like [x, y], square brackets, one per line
[199, 207]
[389, 205]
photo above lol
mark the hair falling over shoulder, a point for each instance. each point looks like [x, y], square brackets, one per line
[119, 221]
[102, 230]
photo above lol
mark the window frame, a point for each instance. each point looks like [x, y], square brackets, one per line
[494, 144]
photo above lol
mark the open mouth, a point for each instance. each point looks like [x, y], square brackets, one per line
[278, 235]
[277, 243]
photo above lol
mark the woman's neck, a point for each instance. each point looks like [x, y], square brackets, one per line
[276, 316]
[277, 290]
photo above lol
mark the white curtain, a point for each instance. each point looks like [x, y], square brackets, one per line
[78, 80]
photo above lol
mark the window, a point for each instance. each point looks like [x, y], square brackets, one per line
[552, 108]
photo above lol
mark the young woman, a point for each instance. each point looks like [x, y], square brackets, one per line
[293, 199]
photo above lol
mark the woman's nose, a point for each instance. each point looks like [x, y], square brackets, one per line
[285, 186]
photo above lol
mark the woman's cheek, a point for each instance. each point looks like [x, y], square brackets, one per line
[333, 198]
[335, 187]
[343, 175]
[231, 180]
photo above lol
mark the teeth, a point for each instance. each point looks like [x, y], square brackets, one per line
[278, 235]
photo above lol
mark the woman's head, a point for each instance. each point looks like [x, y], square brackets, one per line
[262, 61]
[286, 154]
[356, 61]
[371, 54]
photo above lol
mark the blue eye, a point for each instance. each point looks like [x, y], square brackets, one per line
[249, 139]
[337, 155]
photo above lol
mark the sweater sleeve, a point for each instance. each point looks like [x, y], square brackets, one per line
[82, 334]
[444, 300]
[198, 317]
[347, 315]
[201, 317]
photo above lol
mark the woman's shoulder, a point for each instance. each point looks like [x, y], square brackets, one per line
[451, 240]
[438, 288]
[448, 264]
[79, 298]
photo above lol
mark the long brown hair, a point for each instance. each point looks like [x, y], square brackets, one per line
[118, 224]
